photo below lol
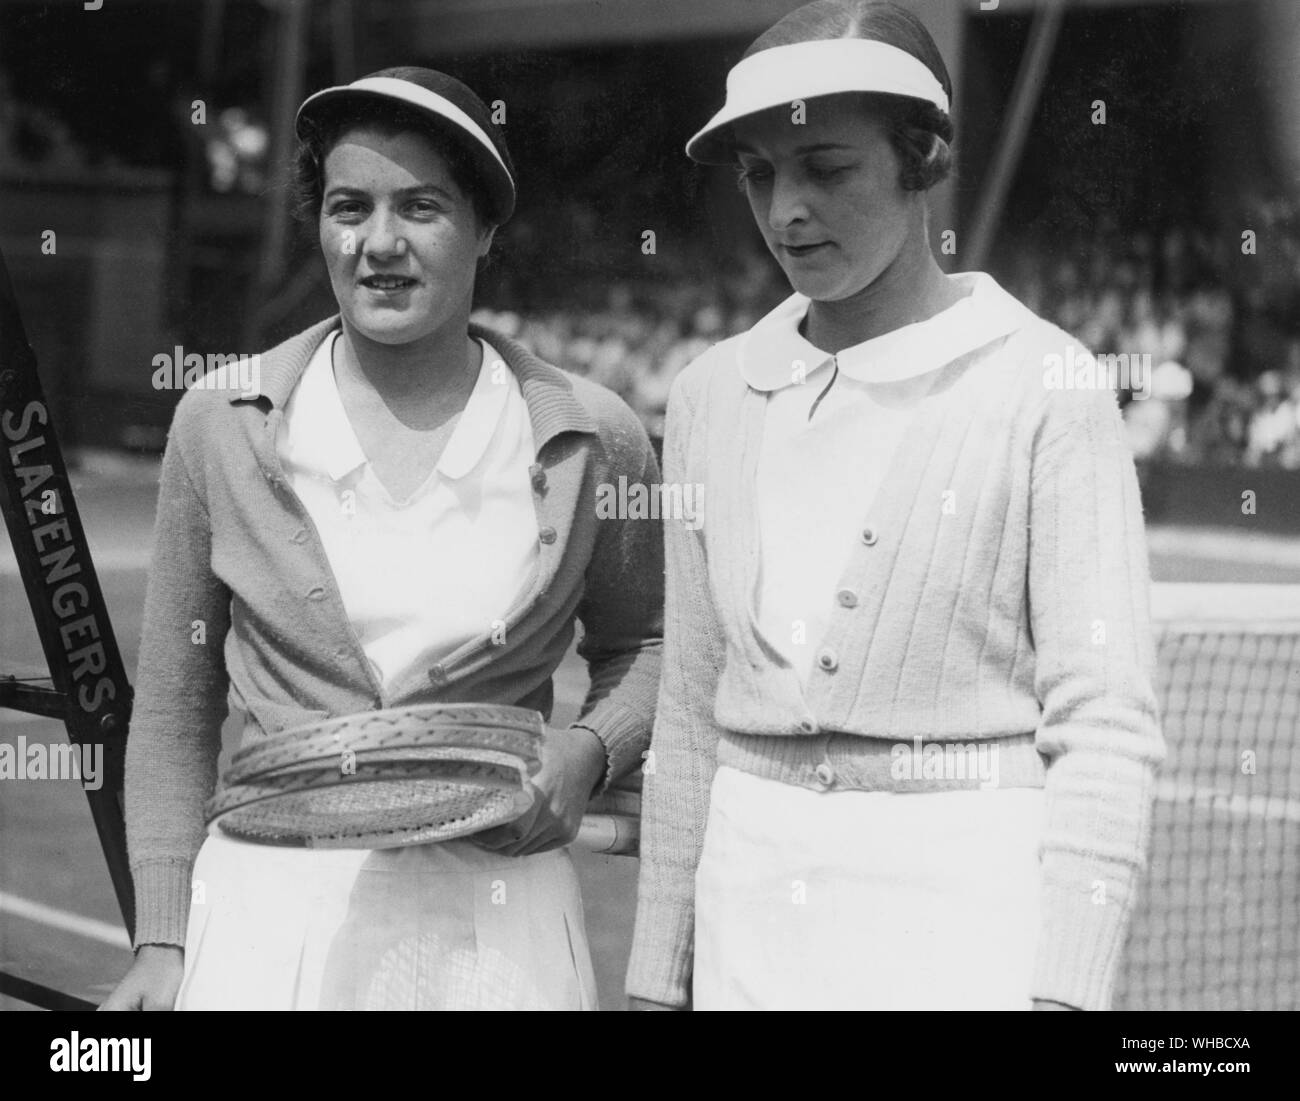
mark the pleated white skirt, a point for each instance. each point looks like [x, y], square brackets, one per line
[866, 900]
[434, 927]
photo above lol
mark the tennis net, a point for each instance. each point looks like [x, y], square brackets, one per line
[1217, 924]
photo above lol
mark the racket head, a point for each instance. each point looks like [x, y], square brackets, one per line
[383, 779]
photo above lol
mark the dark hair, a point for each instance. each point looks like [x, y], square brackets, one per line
[324, 132]
[920, 133]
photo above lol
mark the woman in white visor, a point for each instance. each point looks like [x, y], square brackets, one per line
[906, 734]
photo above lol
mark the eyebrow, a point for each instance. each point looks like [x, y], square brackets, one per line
[401, 192]
[820, 147]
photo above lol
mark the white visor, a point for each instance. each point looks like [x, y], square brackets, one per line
[413, 94]
[783, 74]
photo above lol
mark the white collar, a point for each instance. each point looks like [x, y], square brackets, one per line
[479, 419]
[769, 354]
[329, 444]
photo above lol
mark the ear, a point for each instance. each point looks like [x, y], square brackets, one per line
[486, 235]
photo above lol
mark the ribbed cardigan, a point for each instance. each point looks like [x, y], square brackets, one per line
[1002, 595]
[241, 609]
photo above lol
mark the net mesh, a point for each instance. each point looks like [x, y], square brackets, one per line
[1217, 924]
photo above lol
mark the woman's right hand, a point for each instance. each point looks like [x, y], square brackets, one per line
[153, 980]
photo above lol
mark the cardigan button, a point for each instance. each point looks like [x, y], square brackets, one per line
[869, 536]
[847, 598]
[828, 660]
[438, 674]
[825, 774]
[547, 535]
[299, 536]
[806, 726]
[316, 593]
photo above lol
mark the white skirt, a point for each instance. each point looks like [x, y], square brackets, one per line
[448, 926]
[866, 900]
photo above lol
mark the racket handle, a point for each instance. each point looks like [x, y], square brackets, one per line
[609, 833]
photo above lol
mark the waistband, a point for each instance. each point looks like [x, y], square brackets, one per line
[853, 762]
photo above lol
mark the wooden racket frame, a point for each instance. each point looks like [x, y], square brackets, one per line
[411, 743]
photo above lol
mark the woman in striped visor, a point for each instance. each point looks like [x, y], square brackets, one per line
[400, 511]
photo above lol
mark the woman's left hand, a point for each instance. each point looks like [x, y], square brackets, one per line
[573, 762]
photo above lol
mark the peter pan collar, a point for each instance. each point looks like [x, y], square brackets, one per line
[774, 354]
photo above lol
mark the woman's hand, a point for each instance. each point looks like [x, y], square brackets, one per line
[573, 762]
[153, 980]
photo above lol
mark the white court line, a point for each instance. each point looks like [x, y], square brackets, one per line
[1237, 547]
[106, 559]
[69, 922]
[1273, 807]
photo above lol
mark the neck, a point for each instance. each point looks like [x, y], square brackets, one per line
[913, 288]
[435, 371]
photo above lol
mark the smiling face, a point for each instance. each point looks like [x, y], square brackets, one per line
[400, 237]
[827, 196]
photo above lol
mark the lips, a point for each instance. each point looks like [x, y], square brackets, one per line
[804, 250]
[387, 282]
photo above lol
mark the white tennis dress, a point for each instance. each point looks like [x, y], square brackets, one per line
[447, 926]
[855, 899]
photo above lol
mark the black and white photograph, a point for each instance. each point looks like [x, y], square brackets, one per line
[652, 505]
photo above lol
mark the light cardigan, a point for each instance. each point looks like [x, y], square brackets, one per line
[808, 471]
[1002, 594]
[241, 601]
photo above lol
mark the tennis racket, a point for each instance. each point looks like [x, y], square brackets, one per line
[401, 776]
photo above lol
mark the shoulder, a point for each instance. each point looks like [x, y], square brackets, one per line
[609, 416]
[233, 386]
[615, 421]
[625, 445]
[201, 418]
[1066, 385]
[710, 376]
[1038, 339]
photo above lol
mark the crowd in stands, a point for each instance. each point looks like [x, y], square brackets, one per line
[1220, 321]
[634, 336]
[1224, 369]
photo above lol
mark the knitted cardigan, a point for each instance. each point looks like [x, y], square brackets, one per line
[1002, 595]
[242, 610]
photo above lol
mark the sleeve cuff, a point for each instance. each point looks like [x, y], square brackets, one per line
[624, 734]
[663, 954]
[1082, 942]
[162, 901]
